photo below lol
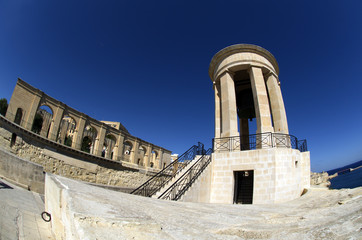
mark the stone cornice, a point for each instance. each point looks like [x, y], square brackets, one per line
[219, 56]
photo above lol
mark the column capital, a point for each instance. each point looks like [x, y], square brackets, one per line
[253, 66]
[226, 71]
[271, 73]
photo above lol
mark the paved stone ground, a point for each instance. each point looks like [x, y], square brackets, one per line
[103, 214]
[20, 214]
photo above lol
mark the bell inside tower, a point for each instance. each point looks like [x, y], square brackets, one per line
[244, 104]
[244, 95]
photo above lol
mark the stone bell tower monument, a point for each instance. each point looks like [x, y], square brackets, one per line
[270, 165]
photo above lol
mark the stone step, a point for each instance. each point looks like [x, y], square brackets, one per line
[175, 178]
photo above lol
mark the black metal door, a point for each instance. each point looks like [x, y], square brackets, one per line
[244, 184]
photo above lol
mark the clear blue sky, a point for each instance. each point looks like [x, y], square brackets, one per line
[145, 64]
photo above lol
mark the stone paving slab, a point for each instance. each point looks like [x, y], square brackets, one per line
[97, 213]
[20, 214]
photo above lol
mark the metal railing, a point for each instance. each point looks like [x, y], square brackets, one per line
[259, 141]
[159, 180]
[178, 189]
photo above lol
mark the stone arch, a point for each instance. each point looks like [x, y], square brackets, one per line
[127, 147]
[42, 120]
[19, 116]
[154, 156]
[142, 155]
[109, 143]
[89, 138]
[66, 130]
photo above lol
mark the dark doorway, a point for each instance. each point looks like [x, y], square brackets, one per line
[244, 184]
[13, 140]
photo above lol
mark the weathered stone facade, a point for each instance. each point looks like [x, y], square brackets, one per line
[67, 126]
[57, 162]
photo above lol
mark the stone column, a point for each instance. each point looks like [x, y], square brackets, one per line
[277, 105]
[229, 121]
[217, 110]
[62, 134]
[134, 152]
[57, 118]
[148, 153]
[47, 121]
[261, 102]
[160, 159]
[78, 133]
[100, 141]
[33, 109]
[118, 151]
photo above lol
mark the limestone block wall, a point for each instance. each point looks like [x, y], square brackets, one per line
[56, 205]
[76, 168]
[288, 174]
[305, 166]
[277, 174]
[22, 172]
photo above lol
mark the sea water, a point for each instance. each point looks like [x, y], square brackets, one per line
[348, 180]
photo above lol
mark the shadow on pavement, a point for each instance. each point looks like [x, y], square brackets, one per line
[4, 186]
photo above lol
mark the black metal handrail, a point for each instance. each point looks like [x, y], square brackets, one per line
[155, 183]
[177, 190]
[259, 141]
[302, 145]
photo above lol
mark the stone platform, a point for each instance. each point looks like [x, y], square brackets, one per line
[81, 211]
[20, 214]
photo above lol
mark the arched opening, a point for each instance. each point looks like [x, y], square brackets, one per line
[245, 107]
[154, 155]
[18, 116]
[89, 137]
[103, 154]
[142, 154]
[66, 131]
[86, 144]
[127, 146]
[109, 144]
[151, 164]
[42, 120]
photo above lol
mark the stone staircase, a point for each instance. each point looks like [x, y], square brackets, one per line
[176, 177]
[186, 180]
[162, 178]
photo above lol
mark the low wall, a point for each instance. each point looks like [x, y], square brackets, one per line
[280, 174]
[64, 161]
[81, 211]
[22, 172]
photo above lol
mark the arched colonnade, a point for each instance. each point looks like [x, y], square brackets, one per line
[52, 119]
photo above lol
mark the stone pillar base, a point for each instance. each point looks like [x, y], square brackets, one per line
[279, 175]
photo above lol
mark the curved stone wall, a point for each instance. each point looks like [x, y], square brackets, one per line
[104, 140]
[66, 161]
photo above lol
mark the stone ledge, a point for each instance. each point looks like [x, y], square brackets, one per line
[89, 212]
